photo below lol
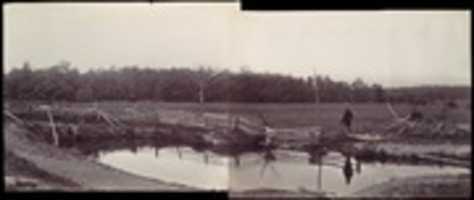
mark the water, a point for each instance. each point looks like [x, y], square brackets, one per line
[335, 174]
[173, 164]
[278, 169]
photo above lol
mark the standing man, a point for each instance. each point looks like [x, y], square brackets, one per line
[347, 119]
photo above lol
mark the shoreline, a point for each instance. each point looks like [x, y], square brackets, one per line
[88, 174]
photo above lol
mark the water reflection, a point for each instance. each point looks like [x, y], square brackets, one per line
[206, 158]
[316, 157]
[319, 169]
[347, 170]
[268, 159]
[358, 166]
[237, 160]
[180, 155]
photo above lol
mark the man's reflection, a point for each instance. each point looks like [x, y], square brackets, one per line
[347, 170]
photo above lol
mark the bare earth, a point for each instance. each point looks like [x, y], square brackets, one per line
[88, 174]
[423, 186]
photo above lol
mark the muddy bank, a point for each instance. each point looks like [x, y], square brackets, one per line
[278, 194]
[22, 175]
[423, 186]
[76, 168]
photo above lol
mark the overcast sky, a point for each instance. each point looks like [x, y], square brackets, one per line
[394, 48]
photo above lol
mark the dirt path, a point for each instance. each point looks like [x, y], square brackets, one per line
[89, 174]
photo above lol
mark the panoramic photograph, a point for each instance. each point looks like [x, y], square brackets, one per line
[205, 97]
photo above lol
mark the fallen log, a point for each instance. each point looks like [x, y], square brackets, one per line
[59, 116]
[14, 117]
[109, 119]
[392, 111]
[366, 137]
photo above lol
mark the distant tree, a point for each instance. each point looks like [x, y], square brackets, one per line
[378, 93]
[360, 91]
[61, 82]
[204, 77]
[19, 83]
[85, 94]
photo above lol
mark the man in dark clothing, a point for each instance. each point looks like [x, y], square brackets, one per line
[347, 118]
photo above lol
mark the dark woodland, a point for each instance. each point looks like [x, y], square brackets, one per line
[62, 82]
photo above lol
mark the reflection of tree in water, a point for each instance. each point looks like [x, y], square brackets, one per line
[268, 158]
[358, 166]
[237, 160]
[133, 146]
[206, 157]
[316, 157]
[157, 150]
[157, 146]
[180, 154]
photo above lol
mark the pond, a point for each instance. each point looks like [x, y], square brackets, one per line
[276, 169]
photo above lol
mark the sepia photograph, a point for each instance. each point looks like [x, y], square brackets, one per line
[206, 97]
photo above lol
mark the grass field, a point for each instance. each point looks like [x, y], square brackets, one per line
[369, 117]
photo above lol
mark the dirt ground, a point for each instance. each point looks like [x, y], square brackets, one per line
[74, 169]
[23, 175]
[424, 186]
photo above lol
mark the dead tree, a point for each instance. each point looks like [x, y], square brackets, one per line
[203, 80]
[13, 117]
[403, 123]
[316, 87]
[268, 131]
[113, 122]
[54, 132]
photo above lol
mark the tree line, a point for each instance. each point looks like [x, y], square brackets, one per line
[62, 82]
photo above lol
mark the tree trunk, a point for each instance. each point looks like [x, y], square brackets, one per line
[201, 94]
[53, 128]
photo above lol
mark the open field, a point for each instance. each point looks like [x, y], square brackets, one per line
[368, 116]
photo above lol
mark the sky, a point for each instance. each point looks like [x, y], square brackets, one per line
[393, 48]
